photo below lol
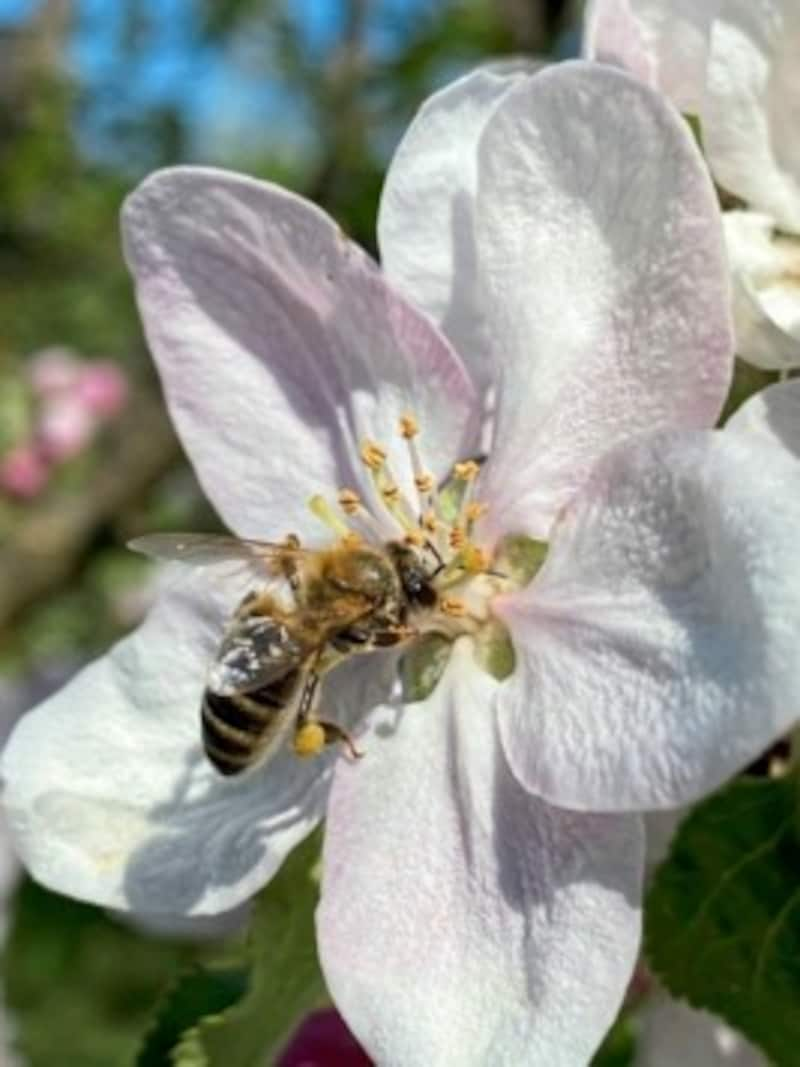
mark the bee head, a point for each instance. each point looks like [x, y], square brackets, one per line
[415, 576]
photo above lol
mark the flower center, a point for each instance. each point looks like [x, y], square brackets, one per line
[437, 529]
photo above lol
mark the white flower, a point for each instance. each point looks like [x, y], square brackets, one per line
[734, 64]
[574, 251]
[673, 1033]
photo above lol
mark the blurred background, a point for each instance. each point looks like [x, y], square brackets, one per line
[94, 94]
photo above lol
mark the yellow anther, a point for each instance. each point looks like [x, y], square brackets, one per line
[390, 493]
[475, 511]
[475, 559]
[409, 427]
[455, 606]
[416, 538]
[430, 522]
[457, 537]
[425, 483]
[373, 455]
[467, 471]
[349, 501]
[352, 540]
[309, 740]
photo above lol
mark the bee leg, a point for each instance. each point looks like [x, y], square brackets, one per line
[334, 733]
[289, 566]
[393, 635]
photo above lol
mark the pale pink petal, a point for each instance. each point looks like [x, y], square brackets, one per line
[53, 370]
[280, 345]
[773, 416]
[766, 290]
[109, 797]
[750, 125]
[663, 42]
[657, 647]
[64, 427]
[102, 388]
[426, 227]
[674, 1035]
[601, 246]
[463, 921]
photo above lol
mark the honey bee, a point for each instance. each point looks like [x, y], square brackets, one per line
[263, 683]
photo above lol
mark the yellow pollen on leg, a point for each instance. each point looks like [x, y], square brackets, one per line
[373, 455]
[309, 740]
[409, 427]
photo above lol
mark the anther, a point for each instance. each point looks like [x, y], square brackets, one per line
[467, 471]
[373, 455]
[475, 510]
[457, 537]
[424, 482]
[416, 538]
[349, 501]
[390, 493]
[455, 606]
[409, 427]
[430, 521]
[352, 540]
[475, 559]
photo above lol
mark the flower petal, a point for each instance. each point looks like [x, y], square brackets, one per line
[673, 1033]
[766, 294]
[463, 920]
[426, 224]
[657, 647]
[609, 299]
[663, 43]
[750, 115]
[109, 797]
[280, 345]
[773, 414]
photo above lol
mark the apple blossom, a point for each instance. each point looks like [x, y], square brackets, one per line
[673, 1033]
[23, 471]
[464, 918]
[734, 65]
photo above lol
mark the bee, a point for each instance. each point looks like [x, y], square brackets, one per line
[263, 683]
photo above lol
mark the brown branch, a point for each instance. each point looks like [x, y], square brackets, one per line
[49, 544]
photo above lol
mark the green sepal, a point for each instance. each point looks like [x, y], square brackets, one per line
[722, 923]
[520, 557]
[695, 125]
[423, 665]
[494, 650]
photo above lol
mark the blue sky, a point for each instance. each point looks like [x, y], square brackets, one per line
[225, 108]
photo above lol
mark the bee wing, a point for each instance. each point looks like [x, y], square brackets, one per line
[203, 549]
[256, 650]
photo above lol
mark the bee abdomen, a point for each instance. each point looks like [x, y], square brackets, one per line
[238, 730]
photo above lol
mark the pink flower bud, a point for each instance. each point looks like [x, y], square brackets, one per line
[323, 1040]
[53, 370]
[103, 389]
[23, 472]
[65, 428]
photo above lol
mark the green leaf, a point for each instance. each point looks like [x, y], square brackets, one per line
[722, 924]
[241, 1018]
[619, 1047]
[81, 987]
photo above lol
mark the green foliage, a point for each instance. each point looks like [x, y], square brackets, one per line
[204, 1023]
[619, 1047]
[80, 985]
[723, 917]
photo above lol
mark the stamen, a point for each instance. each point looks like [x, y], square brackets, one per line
[467, 471]
[424, 483]
[430, 522]
[416, 538]
[409, 427]
[457, 538]
[475, 510]
[373, 455]
[349, 501]
[320, 507]
[391, 494]
[474, 559]
[454, 606]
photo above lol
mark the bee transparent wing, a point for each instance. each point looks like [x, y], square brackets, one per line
[256, 651]
[204, 549]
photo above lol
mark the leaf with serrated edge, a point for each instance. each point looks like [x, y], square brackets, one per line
[722, 924]
[285, 980]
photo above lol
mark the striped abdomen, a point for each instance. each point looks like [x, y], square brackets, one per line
[242, 729]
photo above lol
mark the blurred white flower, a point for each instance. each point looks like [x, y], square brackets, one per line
[733, 64]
